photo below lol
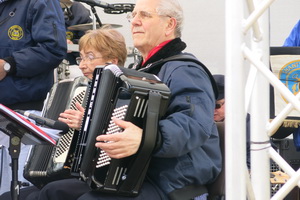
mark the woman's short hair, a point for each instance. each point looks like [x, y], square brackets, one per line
[109, 42]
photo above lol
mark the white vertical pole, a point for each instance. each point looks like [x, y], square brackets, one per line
[260, 161]
[235, 107]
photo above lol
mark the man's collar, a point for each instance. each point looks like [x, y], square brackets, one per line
[172, 48]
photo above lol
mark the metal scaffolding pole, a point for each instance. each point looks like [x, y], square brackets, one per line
[235, 120]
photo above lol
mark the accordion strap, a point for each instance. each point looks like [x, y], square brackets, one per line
[149, 140]
[190, 58]
[1, 160]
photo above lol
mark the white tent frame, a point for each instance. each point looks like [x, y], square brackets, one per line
[247, 90]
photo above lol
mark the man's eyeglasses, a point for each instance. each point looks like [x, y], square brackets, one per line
[219, 105]
[143, 15]
[88, 58]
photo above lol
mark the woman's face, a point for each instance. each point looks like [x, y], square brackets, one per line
[88, 60]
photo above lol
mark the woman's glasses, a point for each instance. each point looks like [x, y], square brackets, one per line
[219, 105]
[88, 58]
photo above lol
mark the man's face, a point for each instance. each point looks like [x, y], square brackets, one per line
[219, 114]
[147, 27]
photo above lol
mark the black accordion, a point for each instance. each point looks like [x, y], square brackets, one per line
[46, 163]
[130, 95]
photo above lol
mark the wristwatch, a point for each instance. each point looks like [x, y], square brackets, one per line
[6, 67]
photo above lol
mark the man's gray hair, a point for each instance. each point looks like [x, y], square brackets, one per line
[172, 8]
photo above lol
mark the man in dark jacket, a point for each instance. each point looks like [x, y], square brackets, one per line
[219, 114]
[188, 151]
[33, 43]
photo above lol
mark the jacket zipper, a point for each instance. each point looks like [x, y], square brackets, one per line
[10, 15]
[144, 68]
[55, 33]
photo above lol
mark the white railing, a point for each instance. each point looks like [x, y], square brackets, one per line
[247, 79]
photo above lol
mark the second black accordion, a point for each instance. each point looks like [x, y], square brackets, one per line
[130, 95]
[46, 163]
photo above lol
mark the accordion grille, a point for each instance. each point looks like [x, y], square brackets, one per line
[41, 165]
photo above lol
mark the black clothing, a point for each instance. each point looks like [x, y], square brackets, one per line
[75, 15]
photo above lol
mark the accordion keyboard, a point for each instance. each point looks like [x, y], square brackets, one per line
[64, 143]
[119, 113]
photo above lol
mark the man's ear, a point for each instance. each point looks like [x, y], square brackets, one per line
[170, 29]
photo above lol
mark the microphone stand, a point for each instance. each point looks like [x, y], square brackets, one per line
[19, 131]
[14, 151]
[96, 15]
